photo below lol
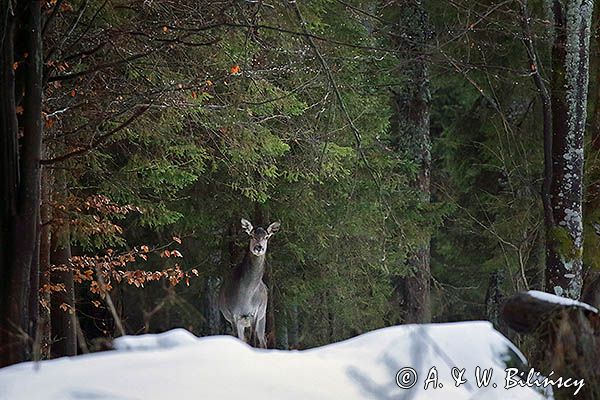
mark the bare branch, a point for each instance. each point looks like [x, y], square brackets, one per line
[547, 115]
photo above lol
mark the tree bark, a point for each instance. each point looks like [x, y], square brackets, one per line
[534, 267]
[411, 136]
[493, 298]
[44, 256]
[282, 341]
[591, 212]
[569, 84]
[64, 338]
[10, 175]
[293, 327]
[62, 304]
[211, 309]
[20, 177]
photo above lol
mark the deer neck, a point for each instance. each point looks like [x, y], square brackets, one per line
[254, 269]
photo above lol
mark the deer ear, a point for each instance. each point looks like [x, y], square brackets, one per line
[247, 226]
[274, 227]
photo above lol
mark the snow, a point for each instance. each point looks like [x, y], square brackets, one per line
[166, 340]
[550, 298]
[177, 365]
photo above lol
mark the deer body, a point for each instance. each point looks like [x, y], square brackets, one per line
[243, 296]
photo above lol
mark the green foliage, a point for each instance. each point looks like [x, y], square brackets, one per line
[591, 254]
[245, 122]
[251, 122]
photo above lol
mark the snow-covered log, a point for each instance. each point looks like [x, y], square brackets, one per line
[525, 312]
[566, 333]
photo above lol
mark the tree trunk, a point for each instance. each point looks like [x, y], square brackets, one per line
[10, 174]
[330, 318]
[62, 304]
[293, 328]
[534, 266]
[591, 251]
[211, 309]
[493, 298]
[411, 137]
[45, 246]
[20, 178]
[570, 58]
[64, 338]
[282, 341]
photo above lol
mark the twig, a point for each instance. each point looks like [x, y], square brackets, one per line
[69, 33]
[51, 16]
[547, 117]
[149, 314]
[98, 141]
[80, 337]
[338, 95]
[109, 303]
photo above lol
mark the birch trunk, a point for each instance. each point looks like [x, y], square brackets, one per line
[570, 64]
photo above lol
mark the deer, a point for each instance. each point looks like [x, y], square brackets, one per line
[243, 295]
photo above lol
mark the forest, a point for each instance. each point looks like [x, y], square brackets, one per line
[408, 161]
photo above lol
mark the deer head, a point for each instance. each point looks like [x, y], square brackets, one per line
[258, 236]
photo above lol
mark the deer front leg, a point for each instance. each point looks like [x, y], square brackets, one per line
[260, 333]
[240, 330]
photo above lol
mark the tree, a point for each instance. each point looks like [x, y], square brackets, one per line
[222, 129]
[62, 302]
[20, 146]
[569, 88]
[410, 136]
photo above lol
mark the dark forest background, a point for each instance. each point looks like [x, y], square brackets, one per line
[425, 159]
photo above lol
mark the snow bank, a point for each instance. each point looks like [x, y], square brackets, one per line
[177, 365]
[166, 340]
[551, 298]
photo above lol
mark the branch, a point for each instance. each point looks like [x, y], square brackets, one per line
[305, 34]
[109, 302]
[100, 67]
[363, 12]
[330, 78]
[90, 23]
[51, 16]
[69, 33]
[547, 116]
[86, 53]
[338, 95]
[101, 140]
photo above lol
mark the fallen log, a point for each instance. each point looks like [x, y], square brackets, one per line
[524, 312]
[566, 334]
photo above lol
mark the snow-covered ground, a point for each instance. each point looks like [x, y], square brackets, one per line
[176, 365]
